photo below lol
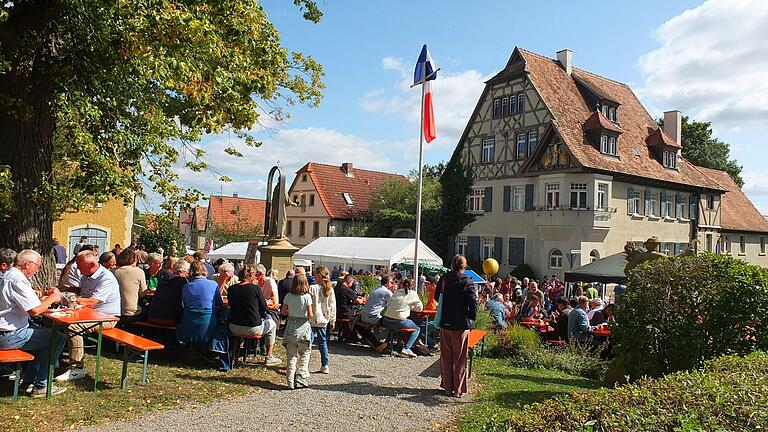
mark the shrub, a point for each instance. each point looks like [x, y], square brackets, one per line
[368, 283]
[523, 271]
[483, 319]
[729, 394]
[515, 341]
[679, 312]
[572, 359]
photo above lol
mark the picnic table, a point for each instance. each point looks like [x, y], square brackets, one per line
[65, 318]
[534, 323]
[361, 300]
[604, 331]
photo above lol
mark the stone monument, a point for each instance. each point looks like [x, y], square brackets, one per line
[278, 252]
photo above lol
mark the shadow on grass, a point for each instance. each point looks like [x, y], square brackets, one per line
[545, 381]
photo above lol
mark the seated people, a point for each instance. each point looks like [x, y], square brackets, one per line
[166, 307]
[153, 272]
[430, 285]
[132, 285]
[595, 305]
[561, 320]
[578, 323]
[268, 286]
[601, 316]
[248, 312]
[532, 309]
[200, 296]
[18, 302]
[227, 269]
[403, 301]
[345, 304]
[98, 290]
[371, 313]
[497, 311]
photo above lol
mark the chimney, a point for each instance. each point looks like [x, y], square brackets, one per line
[346, 167]
[673, 125]
[565, 57]
[234, 195]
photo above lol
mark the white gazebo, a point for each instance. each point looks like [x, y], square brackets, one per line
[234, 251]
[365, 252]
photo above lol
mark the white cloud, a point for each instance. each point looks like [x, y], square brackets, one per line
[455, 95]
[711, 63]
[756, 184]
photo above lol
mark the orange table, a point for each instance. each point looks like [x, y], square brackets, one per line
[67, 317]
[534, 323]
[603, 331]
[361, 300]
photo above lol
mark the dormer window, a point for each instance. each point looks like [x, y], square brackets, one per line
[670, 159]
[347, 199]
[612, 114]
[609, 145]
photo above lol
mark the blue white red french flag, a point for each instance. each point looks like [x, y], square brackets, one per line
[425, 71]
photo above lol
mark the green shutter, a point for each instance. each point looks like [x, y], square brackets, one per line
[507, 197]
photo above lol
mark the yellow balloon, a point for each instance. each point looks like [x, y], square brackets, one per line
[490, 266]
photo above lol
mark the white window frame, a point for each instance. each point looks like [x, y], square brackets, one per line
[497, 108]
[613, 146]
[634, 202]
[666, 207]
[579, 191]
[533, 141]
[504, 106]
[347, 199]
[670, 159]
[489, 150]
[556, 259]
[680, 206]
[518, 198]
[650, 205]
[521, 102]
[604, 144]
[553, 195]
[461, 245]
[520, 143]
[488, 246]
[612, 114]
[602, 196]
[605, 110]
[476, 199]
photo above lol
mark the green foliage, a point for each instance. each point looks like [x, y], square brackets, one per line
[483, 321]
[701, 148]
[161, 232]
[6, 191]
[728, 395]
[368, 284]
[241, 230]
[456, 181]
[515, 341]
[523, 271]
[572, 359]
[134, 83]
[678, 312]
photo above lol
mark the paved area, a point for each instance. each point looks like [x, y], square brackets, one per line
[364, 392]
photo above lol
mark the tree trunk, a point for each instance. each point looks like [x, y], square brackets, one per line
[26, 129]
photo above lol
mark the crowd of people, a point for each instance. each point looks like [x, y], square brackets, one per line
[568, 318]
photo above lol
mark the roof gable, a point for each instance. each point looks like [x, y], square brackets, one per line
[331, 183]
[228, 211]
[737, 212]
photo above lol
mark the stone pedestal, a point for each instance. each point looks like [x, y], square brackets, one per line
[278, 254]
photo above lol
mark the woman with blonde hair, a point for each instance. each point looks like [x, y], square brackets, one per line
[324, 304]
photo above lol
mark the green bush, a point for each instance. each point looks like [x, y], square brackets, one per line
[571, 359]
[483, 319]
[679, 312]
[368, 283]
[515, 341]
[730, 394]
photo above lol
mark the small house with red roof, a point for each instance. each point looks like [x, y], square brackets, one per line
[332, 200]
[231, 213]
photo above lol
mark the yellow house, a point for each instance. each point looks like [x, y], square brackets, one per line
[105, 225]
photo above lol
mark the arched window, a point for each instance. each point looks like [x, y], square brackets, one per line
[556, 259]
[594, 255]
[96, 236]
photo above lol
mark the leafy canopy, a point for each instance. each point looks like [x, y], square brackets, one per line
[136, 82]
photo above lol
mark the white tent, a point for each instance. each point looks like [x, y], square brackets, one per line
[231, 251]
[365, 252]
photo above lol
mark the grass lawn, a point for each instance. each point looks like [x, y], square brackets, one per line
[172, 383]
[504, 388]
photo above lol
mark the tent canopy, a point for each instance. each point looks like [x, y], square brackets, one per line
[605, 270]
[231, 251]
[476, 278]
[365, 251]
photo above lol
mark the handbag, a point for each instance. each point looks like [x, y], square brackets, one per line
[439, 313]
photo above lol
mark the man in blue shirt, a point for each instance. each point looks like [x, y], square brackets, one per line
[578, 323]
[498, 311]
[371, 313]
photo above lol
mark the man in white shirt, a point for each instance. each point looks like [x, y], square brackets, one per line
[267, 284]
[100, 291]
[18, 301]
[7, 258]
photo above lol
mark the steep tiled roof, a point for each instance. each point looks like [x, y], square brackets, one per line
[598, 121]
[737, 212]
[659, 137]
[201, 213]
[331, 183]
[570, 112]
[228, 210]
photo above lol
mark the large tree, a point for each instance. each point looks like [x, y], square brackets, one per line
[99, 99]
[700, 147]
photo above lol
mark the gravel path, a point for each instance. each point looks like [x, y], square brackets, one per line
[364, 392]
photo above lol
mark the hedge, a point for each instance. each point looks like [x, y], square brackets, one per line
[730, 394]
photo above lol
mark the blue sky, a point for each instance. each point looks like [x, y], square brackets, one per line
[708, 60]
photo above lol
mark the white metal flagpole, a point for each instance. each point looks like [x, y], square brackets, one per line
[418, 201]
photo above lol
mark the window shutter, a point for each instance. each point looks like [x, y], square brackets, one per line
[694, 210]
[516, 251]
[630, 192]
[473, 248]
[488, 199]
[507, 197]
[529, 197]
[498, 249]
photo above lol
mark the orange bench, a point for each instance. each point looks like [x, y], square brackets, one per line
[15, 356]
[135, 343]
[404, 332]
[236, 339]
[153, 325]
[475, 336]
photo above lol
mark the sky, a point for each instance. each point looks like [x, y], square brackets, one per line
[709, 60]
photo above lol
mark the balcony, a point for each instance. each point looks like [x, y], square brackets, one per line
[573, 217]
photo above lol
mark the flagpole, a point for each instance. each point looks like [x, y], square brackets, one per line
[418, 201]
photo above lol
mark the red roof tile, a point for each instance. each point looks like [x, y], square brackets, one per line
[598, 121]
[570, 112]
[229, 210]
[200, 216]
[737, 212]
[331, 183]
[659, 138]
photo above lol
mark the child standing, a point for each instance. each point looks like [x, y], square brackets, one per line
[298, 306]
[324, 308]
